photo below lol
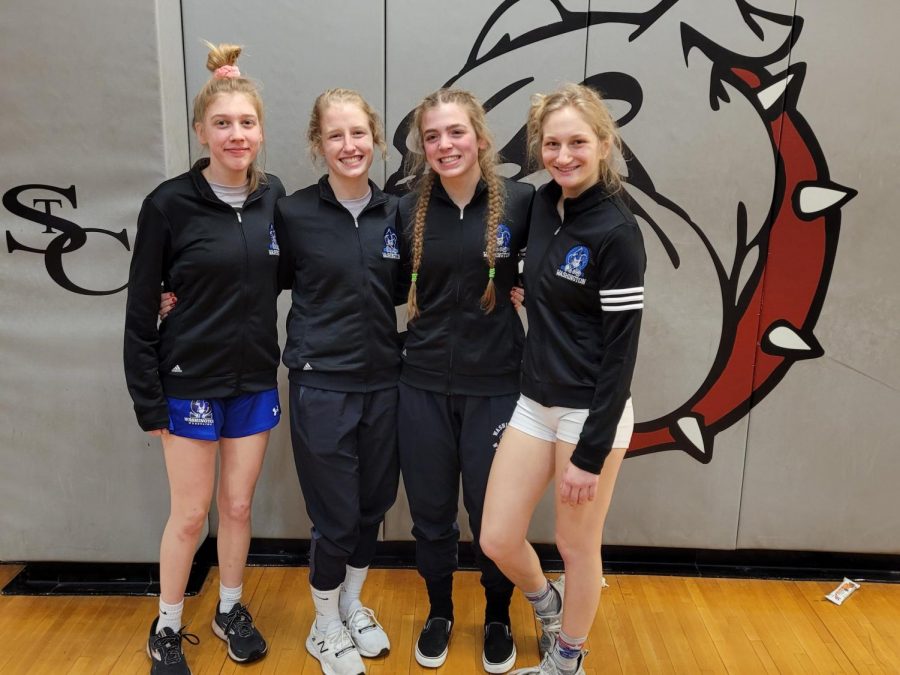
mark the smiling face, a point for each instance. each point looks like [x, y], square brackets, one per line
[347, 142]
[451, 145]
[232, 131]
[571, 151]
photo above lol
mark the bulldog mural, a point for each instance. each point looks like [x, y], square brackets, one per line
[758, 271]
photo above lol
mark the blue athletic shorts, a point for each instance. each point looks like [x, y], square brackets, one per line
[209, 419]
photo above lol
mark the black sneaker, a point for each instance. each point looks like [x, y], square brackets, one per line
[499, 653]
[245, 643]
[164, 649]
[433, 642]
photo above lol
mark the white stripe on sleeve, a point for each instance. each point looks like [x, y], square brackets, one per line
[621, 299]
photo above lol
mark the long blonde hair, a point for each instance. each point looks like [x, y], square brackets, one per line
[592, 109]
[227, 55]
[487, 162]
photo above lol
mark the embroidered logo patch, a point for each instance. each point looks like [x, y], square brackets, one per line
[390, 249]
[503, 239]
[577, 260]
[200, 413]
[273, 241]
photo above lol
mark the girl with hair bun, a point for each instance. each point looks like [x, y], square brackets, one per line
[204, 380]
[465, 226]
[584, 278]
[341, 257]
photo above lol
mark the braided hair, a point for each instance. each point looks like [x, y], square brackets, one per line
[487, 163]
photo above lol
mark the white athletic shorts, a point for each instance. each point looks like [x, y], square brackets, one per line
[565, 424]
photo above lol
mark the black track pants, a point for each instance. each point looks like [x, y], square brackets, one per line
[345, 451]
[443, 437]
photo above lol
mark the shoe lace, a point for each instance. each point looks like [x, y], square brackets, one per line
[340, 642]
[239, 621]
[550, 623]
[363, 617]
[168, 644]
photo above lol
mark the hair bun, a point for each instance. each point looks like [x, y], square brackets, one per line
[222, 55]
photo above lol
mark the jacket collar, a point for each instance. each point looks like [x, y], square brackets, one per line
[587, 200]
[326, 192]
[439, 191]
[203, 187]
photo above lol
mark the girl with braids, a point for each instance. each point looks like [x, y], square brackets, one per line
[341, 257]
[205, 379]
[460, 378]
[584, 278]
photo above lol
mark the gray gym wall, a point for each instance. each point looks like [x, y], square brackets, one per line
[786, 441]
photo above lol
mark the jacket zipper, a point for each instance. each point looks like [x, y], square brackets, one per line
[245, 273]
[459, 266]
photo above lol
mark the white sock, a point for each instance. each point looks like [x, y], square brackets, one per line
[566, 651]
[545, 601]
[328, 618]
[229, 597]
[351, 589]
[169, 616]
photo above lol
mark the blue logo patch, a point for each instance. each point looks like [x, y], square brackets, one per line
[273, 241]
[504, 236]
[390, 249]
[577, 260]
[200, 413]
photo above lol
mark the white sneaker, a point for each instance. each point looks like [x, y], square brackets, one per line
[336, 652]
[548, 667]
[367, 634]
[551, 624]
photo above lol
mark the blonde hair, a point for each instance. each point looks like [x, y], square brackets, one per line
[227, 55]
[592, 109]
[331, 97]
[487, 162]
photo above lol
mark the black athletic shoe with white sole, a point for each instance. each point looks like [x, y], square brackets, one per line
[434, 642]
[499, 652]
[164, 650]
[245, 643]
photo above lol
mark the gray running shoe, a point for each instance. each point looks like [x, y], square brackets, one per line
[548, 667]
[551, 624]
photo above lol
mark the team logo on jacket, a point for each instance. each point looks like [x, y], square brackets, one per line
[504, 236]
[273, 241]
[200, 413]
[390, 249]
[572, 269]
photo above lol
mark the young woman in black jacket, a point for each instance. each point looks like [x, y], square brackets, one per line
[205, 379]
[341, 258]
[465, 226]
[584, 286]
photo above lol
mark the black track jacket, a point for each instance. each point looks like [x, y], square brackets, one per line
[453, 347]
[345, 276]
[221, 338]
[584, 293]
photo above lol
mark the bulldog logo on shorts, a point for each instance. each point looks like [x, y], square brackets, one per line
[577, 260]
[200, 413]
[390, 250]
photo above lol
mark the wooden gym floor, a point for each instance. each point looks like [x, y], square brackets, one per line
[646, 624]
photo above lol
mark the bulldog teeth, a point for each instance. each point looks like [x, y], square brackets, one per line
[771, 94]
